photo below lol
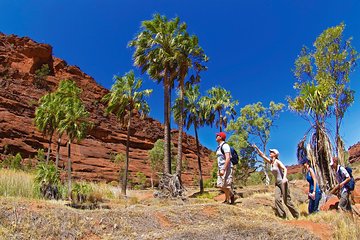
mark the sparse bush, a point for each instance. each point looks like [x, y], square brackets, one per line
[40, 75]
[141, 180]
[255, 178]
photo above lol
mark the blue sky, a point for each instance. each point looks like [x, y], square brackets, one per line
[252, 47]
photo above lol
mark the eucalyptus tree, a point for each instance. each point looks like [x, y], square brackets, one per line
[220, 101]
[328, 66]
[125, 99]
[322, 84]
[76, 118]
[256, 121]
[46, 117]
[188, 55]
[154, 53]
[334, 59]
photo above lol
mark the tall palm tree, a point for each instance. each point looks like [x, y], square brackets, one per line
[155, 54]
[123, 99]
[194, 113]
[46, 117]
[75, 122]
[188, 55]
[222, 106]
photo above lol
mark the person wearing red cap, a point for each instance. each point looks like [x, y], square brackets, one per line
[224, 180]
[281, 183]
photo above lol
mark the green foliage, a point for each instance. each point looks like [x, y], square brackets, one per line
[40, 156]
[40, 75]
[12, 162]
[222, 106]
[81, 191]
[211, 182]
[156, 156]
[255, 178]
[47, 173]
[295, 176]
[124, 97]
[117, 158]
[141, 180]
[47, 180]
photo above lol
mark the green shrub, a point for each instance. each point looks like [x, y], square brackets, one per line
[255, 178]
[141, 180]
[12, 162]
[47, 180]
[81, 192]
[295, 176]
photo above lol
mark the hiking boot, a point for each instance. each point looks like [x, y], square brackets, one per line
[232, 199]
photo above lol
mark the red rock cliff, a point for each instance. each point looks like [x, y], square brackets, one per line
[19, 95]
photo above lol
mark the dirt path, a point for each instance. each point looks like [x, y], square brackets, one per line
[323, 231]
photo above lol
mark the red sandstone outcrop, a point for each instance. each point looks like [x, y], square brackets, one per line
[20, 57]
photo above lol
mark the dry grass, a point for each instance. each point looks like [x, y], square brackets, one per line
[17, 183]
[343, 224]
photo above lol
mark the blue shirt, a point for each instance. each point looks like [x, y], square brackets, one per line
[311, 183]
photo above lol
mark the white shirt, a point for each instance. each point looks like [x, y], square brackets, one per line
[220, 156]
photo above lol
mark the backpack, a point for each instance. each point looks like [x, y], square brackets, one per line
[234, 156]
[351, 184]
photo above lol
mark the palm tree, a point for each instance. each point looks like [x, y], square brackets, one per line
[46, 117]
[220, 101]
[188, 55]
[314, 106]
[123, 99]
[75, 122]
[155, 54]
[194, 113]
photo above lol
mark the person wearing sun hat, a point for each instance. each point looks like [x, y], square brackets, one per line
[224, 179]
[281, 183]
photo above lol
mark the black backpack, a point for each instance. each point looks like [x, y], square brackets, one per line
[234, 156]
[351, 184]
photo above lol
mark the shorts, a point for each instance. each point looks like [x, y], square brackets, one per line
[225, 181]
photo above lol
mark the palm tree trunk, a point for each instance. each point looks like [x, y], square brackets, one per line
[199, 161]
[220, 120]
[180, 125]
[69, 169]
[49, 149]
[58, 152]
[125, 177]
[167, 137]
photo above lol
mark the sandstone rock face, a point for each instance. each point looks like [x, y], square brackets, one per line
[354, 153]
[19, 95]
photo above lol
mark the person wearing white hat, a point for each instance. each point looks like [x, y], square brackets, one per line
[281, 183]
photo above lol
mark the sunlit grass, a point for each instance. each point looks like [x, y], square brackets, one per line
[17, 183]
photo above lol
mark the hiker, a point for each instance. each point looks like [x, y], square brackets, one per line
[342, 177]
[281, 183]
[224, 179]
[314, 189]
